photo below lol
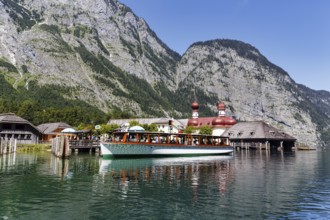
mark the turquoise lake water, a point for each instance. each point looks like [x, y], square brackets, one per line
[246, 185]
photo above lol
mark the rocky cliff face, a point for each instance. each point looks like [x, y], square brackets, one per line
[80, 44]
[254, 88]
[99, 52]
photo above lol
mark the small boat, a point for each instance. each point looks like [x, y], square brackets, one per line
[144, 144]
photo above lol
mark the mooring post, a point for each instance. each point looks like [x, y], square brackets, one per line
[15, 145]
[0, 146]
[5, 147]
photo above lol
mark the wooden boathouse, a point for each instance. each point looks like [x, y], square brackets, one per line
[13, 126]
[259, 135]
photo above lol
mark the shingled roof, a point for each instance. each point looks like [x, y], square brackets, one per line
[49, 128]
[14, 119]
[177, 123]
[11, 118]
[256, 130]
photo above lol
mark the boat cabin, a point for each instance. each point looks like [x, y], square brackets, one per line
[169, 138]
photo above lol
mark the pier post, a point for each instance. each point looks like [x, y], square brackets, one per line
[5, 147]
[60, 147]
[15, 145]
[0, 146]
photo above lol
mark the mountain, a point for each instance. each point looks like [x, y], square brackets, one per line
[84, 61]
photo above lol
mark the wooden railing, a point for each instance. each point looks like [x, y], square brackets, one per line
[75, 144]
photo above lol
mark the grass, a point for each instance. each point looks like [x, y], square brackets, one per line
[32, 147]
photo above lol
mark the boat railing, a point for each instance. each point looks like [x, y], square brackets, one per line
[169, 139]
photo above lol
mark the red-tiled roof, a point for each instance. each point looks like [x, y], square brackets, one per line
[202, 121]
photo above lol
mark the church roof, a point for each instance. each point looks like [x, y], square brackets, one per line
[226, 121]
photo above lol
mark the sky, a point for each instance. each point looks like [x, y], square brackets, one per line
[292, 34]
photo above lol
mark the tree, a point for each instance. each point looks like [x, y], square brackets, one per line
[189, 130]
[151, 127]
[27, 110]
[108, 128]
[205, 130]
[134, 123]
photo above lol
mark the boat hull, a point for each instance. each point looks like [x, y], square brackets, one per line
[141, 150]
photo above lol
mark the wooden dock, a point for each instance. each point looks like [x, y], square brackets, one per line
[8, 146]
[85, 145]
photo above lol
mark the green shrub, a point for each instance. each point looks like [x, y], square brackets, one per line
[32, 147]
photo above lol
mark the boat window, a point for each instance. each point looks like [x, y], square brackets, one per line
[118, 137]
[154, 138]
[203, 140]
[181, 139]
[216, 140]
[143, 137]
[132, 138]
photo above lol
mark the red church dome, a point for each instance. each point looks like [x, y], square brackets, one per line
[194, 105]
[223, 121]
[193, 122]
[219, 121]
[221, 106]
[230, 121]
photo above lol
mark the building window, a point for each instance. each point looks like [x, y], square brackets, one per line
[272, 133]
[7, 126]
[239, 133]
[252, 133]
[20, 127]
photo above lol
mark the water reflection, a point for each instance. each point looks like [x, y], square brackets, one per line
[59, 166]
[10, 162]
[248, 185]
[172, 171]
[7, 161]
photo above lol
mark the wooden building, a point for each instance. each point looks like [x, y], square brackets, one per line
[13, 126]
[52, 130]
[258, 135]
[167, 125]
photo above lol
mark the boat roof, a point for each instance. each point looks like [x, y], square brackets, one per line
[165, 134]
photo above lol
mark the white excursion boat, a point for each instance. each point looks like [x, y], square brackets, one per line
[144, 144]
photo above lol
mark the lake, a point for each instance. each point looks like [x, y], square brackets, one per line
[246, 185]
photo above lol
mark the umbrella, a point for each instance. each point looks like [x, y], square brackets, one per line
[136, 128]
[68, 130]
